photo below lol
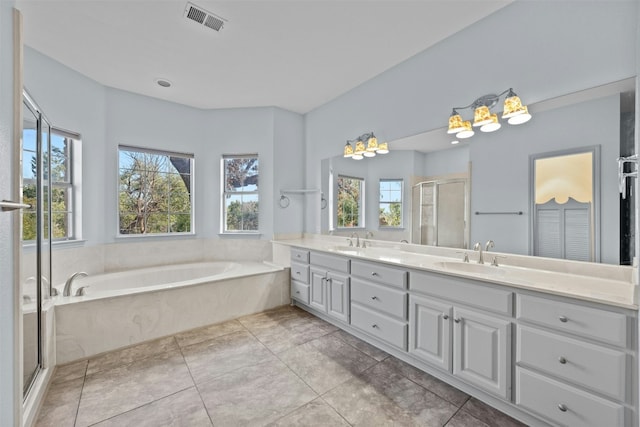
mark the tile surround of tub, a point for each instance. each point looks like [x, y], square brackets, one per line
[158, 314]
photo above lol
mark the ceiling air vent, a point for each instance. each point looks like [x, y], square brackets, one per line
[203, 17]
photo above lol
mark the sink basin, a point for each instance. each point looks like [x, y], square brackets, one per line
[465, 267]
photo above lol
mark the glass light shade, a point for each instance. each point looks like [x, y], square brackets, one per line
[493, 126]
[372, 144]
[522, 117]
[454, 142]
[360, 148]
[369, 154]
[512, 107]
[357, 157]
[348, 150]
[455, 124]
[383, 148]
[481, 116]
[467, 132]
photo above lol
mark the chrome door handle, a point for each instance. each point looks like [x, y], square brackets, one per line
[456, 320]
[8, 205]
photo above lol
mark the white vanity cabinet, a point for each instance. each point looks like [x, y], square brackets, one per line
[329, 285]
[573, 362]
[448, 331]
[379, 302]
[300, 275]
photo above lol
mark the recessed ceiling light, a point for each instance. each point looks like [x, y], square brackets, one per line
[163, 82]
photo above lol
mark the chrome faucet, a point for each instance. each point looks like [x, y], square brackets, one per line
[357, 238]
[478, 247]
[489, 245]
[368, 235]
[69, 282]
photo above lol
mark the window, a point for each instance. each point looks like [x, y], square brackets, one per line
[350, 202]
[240, 198]
[390, 203]
[155, 192]
[63, 182]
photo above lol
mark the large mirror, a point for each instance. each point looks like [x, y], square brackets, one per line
[499, 200]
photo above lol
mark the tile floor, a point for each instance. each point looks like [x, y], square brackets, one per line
[282, 367]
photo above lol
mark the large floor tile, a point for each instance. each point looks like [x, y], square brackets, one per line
[210, 359]
[489, 415]
[70, 371]
[127, 355]
[316, 413]
[114, 391]
[206, 333]
[382, 396]
[255, 395]
[183, 409]
[61, 404]
[431, 383]
[326, 362]
[464, 419]
[364, 347]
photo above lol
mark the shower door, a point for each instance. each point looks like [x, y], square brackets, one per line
[35, 235]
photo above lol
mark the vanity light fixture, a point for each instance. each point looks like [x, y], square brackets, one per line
[366, 145]
[513, 111]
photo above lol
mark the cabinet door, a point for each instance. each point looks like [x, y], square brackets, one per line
[430, 331]
[482, 351]
[338, 296]
[317, 298]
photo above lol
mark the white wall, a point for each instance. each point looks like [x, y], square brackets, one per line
[538, 48]
[453, 160]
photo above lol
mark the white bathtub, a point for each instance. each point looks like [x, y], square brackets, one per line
[124, 308]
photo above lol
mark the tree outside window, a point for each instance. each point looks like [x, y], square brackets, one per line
[240, 197]
[350, 202]
[155, 194]
[390, 203]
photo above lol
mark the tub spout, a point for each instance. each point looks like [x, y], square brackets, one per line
[69, 282]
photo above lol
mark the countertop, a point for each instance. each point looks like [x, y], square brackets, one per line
[600, 283]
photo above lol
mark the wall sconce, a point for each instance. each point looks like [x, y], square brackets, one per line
[360, 150]
[513, 111]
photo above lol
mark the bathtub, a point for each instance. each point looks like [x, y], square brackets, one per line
[124, 308]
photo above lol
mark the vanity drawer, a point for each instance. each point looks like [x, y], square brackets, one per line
[589, 322]
[300, 272]
[380, 326]
[332, 262]
[463, 291]
[300, 292]
[379, 273]
[563, 404]
[588, 365]
[299, 255]
[379, 298]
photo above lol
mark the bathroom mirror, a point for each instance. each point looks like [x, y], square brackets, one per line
[498, 168]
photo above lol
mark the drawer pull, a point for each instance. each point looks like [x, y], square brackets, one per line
[457, 320]
[562, 360]
[374, 297]
[373, 273]
[374, 326]
[298, 255]
[563, 319]
[562, 407]
[298, 273]
[297, 292]
[445, 316]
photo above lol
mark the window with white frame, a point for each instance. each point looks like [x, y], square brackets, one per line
[390, 214]
[64, 147]
[350, 206]
[155, 192]
[240, 196]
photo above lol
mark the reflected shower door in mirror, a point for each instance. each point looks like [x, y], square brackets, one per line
[440, 212]
[565, 204]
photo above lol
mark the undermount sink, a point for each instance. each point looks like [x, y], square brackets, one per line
[465, 267]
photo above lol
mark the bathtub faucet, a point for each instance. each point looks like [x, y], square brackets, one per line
[69, 282]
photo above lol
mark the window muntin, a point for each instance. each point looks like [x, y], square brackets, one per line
[240, 193]
[350, 206]
[155, 194]
[390, 210]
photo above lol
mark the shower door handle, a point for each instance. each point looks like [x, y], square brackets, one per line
[8, 205]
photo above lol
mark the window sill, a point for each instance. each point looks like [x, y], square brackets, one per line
[242, 234]
[154, 236]
[71, 243]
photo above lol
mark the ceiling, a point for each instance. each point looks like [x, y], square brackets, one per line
[294, 54]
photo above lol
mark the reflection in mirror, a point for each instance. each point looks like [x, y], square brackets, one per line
[565, 197]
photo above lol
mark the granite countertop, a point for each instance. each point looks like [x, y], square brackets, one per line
[601, 283]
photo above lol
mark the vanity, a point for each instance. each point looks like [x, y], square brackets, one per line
[552, 346]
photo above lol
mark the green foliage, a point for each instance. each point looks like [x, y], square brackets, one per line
[390, 215]
[349, 201]
[241, 193]
[242, 216]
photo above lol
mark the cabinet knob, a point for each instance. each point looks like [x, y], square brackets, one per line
[457, 320]
[562, 407]
[563, 319]
[298, 273]
[297, 292]
[445, 316]
[562, 360]
[374, 326]
[374, 297]
[373, 273]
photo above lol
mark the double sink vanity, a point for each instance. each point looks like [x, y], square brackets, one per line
[549, 342]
